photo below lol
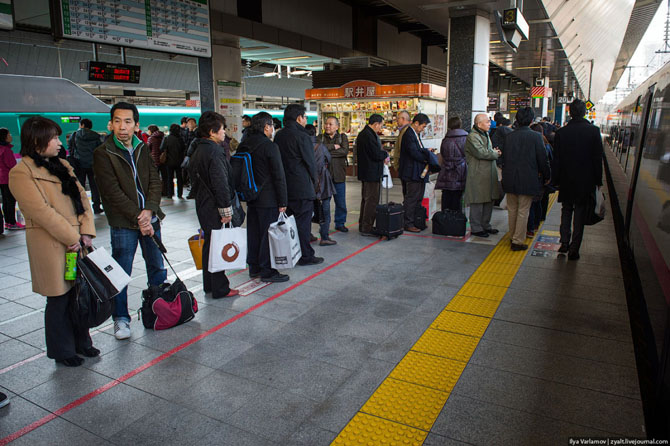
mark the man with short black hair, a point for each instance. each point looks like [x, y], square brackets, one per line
[371, 159]
[578, 157]
[246, 123]
[130, 188]
[525, 171]
[297, 156]
[414, 158]
[83, 143]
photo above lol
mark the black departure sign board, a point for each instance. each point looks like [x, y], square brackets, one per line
[113, 72]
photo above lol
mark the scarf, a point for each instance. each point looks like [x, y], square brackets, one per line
[68, 182]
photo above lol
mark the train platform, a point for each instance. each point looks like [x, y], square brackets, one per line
[420, 340]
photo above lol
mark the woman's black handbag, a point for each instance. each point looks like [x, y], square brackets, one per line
[319, 216]
[86, 310]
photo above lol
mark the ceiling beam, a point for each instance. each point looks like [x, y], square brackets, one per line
[380, 11]
[412, 27]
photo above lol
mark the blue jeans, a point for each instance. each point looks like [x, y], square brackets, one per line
[124, 245]
[323, 229]
[340, 204]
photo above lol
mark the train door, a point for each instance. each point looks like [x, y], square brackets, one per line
[645, 114]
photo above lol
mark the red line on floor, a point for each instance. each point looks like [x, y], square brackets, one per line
[78, 402]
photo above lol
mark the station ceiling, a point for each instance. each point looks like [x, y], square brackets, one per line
[569, 39]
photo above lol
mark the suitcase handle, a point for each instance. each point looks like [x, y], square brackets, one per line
[380, 190]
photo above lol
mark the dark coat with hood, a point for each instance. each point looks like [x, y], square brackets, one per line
[370, 156]
[526, 166]
[454, 168]
[578, 160]
[268, 171]
[83, 143]
[297, 156]
[210, 173]
[325, 188]
[413, 158]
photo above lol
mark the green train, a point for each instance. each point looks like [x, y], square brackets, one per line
[67, 104]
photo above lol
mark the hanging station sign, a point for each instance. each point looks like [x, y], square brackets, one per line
[113, 72]
[371, 90]
[172, 26]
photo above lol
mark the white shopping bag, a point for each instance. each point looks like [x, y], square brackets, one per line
[284, 242]
[503, 203]
[429, 201]
[387, 181]
[600, 203]
[104, 274]
[228, 249]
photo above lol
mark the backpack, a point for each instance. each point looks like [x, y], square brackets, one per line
[243, 177]
[167, 305]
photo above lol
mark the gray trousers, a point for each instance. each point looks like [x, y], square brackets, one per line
[480, 216]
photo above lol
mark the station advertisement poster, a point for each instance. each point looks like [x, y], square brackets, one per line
[6, 17]
[229, 104]
[172, 26]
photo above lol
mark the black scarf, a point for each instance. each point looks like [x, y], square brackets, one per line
[68, 182]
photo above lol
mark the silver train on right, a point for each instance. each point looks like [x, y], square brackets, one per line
[637, 168]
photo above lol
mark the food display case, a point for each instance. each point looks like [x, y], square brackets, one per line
[354, 102]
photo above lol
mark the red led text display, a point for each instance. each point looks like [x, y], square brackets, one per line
[110, 72]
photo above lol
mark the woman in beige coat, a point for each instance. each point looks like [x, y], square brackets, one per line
[58, 220]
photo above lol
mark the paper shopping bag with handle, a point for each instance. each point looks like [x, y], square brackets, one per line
[284, 242]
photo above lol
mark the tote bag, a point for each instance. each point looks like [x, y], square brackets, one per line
[228, 249]
[284, 242]
[104, 275]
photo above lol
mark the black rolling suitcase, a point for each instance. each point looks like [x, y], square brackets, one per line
[390, 217]
[450, 223]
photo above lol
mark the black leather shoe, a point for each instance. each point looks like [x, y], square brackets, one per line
[368, 234]
[492, 231]
[480, 234]
[516, 247]
[276, 278]
[312, 238]
[74, 361]
[564, 248]
[342, 228]
[573, 255]
[90, 352]
[313, 261]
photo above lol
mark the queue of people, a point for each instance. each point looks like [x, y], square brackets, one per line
[296, 170]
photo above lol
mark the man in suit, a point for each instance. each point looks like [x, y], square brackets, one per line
[297, 156]
[578, 163]
[371, 159]
[413, 171]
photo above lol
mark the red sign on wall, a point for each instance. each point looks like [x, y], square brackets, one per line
[368, 89]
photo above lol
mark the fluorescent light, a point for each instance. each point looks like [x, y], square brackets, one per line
[293, 58]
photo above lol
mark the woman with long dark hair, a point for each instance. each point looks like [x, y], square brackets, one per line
[59, 219]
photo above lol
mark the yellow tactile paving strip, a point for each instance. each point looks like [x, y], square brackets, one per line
[406, 404]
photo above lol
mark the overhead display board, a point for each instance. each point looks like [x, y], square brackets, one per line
[173, 26]
[6, 16]
[113, 72]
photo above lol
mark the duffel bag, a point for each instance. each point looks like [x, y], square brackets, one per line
[448, 222]
[167, 305]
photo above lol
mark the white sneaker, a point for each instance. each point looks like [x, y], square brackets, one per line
[121, 329]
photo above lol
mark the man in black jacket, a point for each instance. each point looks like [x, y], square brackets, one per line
[297, 155]
[82, 145]
[413, 172]
[525, 171]
[269, 175]
[578, 158]
[371, 159]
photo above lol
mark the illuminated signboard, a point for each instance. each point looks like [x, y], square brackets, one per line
[111, 72]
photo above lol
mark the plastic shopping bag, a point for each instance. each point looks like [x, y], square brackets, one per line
[429, 200]
[228, 249]
[284, 242]
[387, 181]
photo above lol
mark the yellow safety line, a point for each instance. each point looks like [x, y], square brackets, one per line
[404, 407]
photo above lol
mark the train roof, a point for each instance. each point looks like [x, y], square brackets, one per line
[36, 94]
[660, 77]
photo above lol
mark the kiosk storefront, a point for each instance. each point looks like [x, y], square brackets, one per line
[355, 101]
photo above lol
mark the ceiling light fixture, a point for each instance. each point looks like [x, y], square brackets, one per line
[293, 58]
